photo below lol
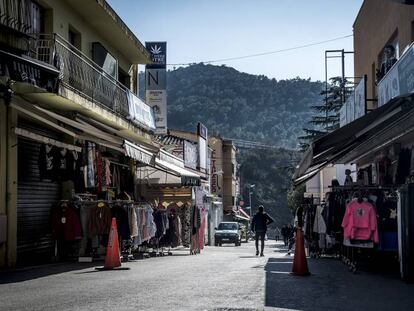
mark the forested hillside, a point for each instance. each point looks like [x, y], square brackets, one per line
[250, 107]
[240, 105]
[270, 171]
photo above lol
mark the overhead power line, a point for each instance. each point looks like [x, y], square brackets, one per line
[262, 54]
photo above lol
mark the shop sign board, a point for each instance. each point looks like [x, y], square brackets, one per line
[389, 87]
[406, 72]
[156, 83]
[155, 79]
[360, 99]
[140, 112]
[157, 99]
[158, 52]
[354, 107]
[399, 80]
[202, 147]
[190, 155]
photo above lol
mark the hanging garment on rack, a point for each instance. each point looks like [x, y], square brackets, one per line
[65, 222]
[100, 219]
[384, 171]
[319, 225]
[133, 224]
[360, 222]
[120, 212]
[116, 180]
[107, 173]
[202, 228]
[47, 162]
[99, 172]
[196, 221]
[152, 228]
[90, 176]
[85, 212]
[185, 216]
[60, 165]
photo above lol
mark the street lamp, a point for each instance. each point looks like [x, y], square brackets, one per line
[251, 187]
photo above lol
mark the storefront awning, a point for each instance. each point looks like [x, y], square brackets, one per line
[188, 178]
[336, 146]
[243, 213]
[140, 154]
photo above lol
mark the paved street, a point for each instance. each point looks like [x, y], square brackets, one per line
[222, 278]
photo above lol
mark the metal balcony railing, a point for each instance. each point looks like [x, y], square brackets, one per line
[80, 73]
[18, 15]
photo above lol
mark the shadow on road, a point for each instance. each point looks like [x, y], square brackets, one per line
[332, 287]
[32, 273]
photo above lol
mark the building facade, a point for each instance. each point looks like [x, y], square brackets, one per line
[393, 24]
[379, 141]
[67, 76]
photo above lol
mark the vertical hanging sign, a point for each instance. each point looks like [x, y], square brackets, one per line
[156, 83]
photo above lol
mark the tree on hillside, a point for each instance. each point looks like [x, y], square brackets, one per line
[295, 197]
[326, 115]
[240, 105]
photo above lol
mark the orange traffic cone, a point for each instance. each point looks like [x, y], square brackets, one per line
[300, 264]
[112, 259]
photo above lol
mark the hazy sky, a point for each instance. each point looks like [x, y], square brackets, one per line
[203, 30]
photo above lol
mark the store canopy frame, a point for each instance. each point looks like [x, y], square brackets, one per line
[188, 178]
[332, 148]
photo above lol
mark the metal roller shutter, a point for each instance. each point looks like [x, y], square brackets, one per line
[35, 199]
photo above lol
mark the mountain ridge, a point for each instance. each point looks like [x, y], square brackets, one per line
[240, 105]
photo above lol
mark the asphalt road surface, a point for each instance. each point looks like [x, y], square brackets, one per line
[221, 278]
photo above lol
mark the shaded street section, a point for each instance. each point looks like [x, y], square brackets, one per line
[222, 278]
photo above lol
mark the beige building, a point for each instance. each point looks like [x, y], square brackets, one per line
[230, 176]
[68, 72]
[380, 23]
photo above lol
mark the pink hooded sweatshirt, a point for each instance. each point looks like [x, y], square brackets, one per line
[360, 222]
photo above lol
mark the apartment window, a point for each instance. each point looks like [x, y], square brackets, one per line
[38, 18]
[388, 56]
[75, 38]
[124, 78]
[103, 58]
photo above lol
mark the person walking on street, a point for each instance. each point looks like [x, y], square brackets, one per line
[285, 235]
[259, 226]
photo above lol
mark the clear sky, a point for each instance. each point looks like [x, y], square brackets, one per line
[203, 30]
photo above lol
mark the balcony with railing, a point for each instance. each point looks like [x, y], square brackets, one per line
[80, 73]
[83, 76]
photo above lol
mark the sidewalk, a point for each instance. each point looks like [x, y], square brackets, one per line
[332, 287]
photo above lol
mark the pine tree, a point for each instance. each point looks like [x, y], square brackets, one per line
[326, 118]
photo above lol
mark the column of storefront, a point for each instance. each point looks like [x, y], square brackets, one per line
[3, 127]
[8, 184]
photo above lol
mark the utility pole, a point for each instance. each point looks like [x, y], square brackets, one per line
[250, 198]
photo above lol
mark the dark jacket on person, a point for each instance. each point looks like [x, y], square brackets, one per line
[260, 222]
